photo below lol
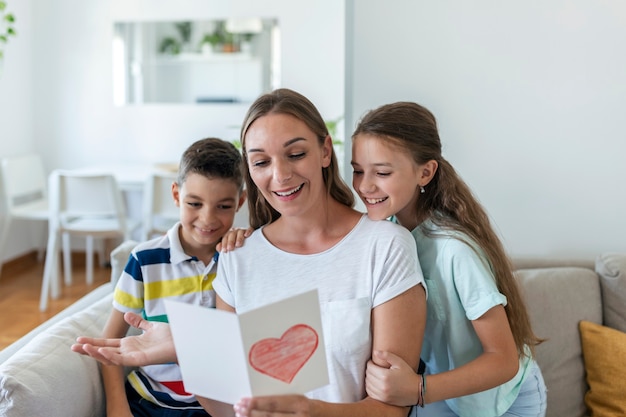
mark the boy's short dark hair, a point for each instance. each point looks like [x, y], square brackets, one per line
[212, 158]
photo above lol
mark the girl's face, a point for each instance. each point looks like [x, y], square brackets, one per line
[207, 211]
[386, 179]
[285, 162]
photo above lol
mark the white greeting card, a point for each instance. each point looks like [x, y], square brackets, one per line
[271, 350]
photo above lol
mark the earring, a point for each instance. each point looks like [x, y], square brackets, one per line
[422, 190]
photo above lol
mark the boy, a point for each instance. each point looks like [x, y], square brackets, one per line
[180, 265]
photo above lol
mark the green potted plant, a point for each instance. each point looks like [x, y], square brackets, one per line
[7, 29]
[170, 45]
[226, 39]
[332, 126]
[174, 46]
[209, 42]
[184, 30]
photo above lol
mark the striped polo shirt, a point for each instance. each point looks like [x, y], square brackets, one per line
[157, 270]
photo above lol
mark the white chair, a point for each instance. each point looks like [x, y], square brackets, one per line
[160, 212]
[25, 195]
[86, 204]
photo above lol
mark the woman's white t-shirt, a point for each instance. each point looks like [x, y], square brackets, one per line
[372, 264]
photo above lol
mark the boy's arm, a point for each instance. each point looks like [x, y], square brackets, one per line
[153, 346]
[113, 376]
[233, 239]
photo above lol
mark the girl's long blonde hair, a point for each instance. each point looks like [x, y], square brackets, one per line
[449, 202]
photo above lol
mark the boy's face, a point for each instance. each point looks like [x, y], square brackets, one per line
[207, 211]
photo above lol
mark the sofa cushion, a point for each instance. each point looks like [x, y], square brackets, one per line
[557, 299]
[611, 268]
[45, 378]
[604, 350]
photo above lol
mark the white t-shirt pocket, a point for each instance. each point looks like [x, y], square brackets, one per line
[347, 325]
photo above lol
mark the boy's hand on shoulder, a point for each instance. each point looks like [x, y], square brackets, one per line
[234, 238]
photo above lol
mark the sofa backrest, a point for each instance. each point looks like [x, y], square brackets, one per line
[557, 299]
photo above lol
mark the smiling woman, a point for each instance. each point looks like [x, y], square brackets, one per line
[208, 61]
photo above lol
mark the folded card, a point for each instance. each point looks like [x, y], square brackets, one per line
[271, 350]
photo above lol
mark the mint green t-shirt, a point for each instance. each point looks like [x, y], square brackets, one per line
[461, 288]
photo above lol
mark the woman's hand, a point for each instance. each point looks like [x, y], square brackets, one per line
[278, 405]
[233, 239]
[154, 346]
[388, 378]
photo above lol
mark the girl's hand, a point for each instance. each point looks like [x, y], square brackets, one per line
[268, 406]
[154, 346]
[388, 378]
[233, 239]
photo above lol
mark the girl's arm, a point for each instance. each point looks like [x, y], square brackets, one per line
[398, 326]
[397, 383]
[498, 363]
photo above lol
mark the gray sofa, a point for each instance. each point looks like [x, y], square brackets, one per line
[559, 295]
[40, 376]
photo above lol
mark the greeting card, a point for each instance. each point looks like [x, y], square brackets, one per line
[274, 349]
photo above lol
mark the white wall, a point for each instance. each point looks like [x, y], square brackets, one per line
[530, 98]
[16, 108]
[16, 114]
[77, 123]
[56, 91]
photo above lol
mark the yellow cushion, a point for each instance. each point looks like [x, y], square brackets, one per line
[604, 352]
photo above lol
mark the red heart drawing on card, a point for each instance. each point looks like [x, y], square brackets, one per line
[283, 358]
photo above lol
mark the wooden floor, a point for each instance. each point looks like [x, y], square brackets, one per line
[20, 289]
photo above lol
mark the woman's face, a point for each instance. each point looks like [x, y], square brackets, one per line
[285, 162]
[385, 178]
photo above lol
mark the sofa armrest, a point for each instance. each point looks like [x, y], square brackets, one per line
[45, 378]
[119, 258]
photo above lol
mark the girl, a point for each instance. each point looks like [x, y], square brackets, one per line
[478, 344]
